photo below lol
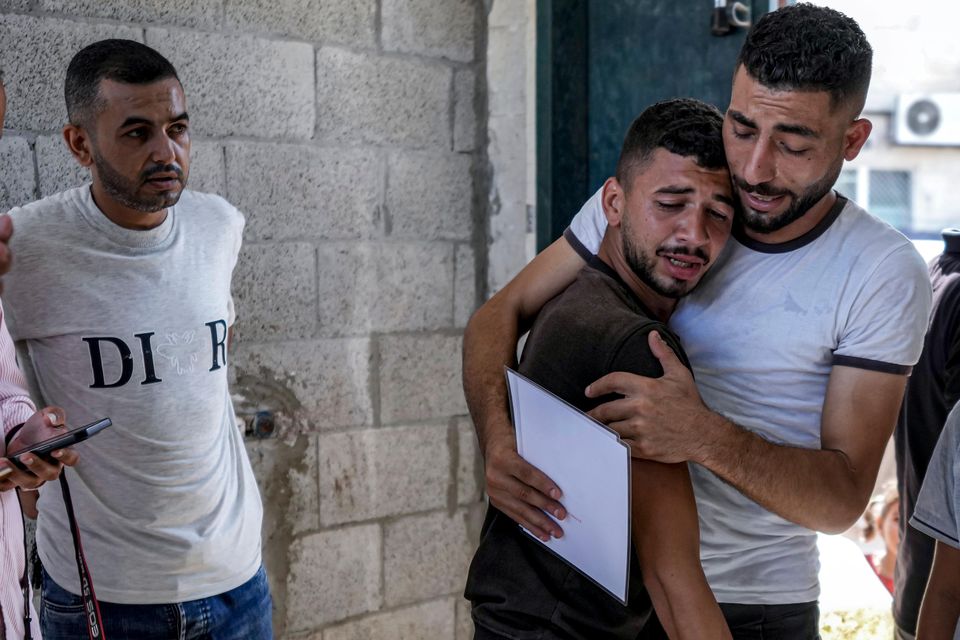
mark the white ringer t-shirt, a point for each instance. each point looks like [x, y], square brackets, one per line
[763, 331]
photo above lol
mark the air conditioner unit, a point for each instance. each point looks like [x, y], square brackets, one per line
[928, 119]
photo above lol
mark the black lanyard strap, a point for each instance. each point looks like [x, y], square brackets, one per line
[91, 607]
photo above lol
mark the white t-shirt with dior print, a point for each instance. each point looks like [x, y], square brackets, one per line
[132, 324]
[762, 331]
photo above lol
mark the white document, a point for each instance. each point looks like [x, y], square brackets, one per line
[591, 465]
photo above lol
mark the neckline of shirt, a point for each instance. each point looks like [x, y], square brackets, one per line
[797, 243]
[132, 238]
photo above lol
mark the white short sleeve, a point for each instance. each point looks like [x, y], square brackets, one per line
[937, 505]
[887, 319]
[590, 223]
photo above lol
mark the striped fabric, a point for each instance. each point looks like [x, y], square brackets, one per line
[15, 407]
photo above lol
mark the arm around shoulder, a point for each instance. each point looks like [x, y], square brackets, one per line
[489, 344]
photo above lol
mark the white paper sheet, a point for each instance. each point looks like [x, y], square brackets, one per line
[592, 468]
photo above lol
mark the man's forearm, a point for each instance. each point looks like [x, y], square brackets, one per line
[940, 610]
[489, 344]
[815, 488]
[666, 535]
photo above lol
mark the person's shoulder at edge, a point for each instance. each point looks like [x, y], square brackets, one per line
[863, 229]
[215, 207]
[878, 254]
[48, 208]
[627, 324]
[32, 223]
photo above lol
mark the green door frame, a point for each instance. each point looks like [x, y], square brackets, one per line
[562, 103]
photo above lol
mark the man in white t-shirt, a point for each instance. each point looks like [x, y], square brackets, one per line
[801, 338]
[937, 514]
[119, 301]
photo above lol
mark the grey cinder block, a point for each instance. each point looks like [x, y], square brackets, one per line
[366, 287]
[324, 383]
[350, 23]
[420, 377]
[333, 575]
[443, 28]
[465, 286]
[431, 620]
[376, 473]
[425, 556]
[382, 100]
[242, 85]
[295, 191]
[16, 173]
[429, 195]
[274, 288]
[465, 112]
[187, 13]
[34, 80]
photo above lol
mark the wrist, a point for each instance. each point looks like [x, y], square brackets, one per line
[715, 430]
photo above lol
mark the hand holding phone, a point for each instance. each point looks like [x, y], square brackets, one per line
[42, 426]
[44, 448]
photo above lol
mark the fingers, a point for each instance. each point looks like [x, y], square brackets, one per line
[626, 384]
[615, 410]
[6, 228]
[54, 416]
[18, 478]
[42, 471]
[538, 480]
[668, 359]
[530, 518]
[524, 493]
[66, 457]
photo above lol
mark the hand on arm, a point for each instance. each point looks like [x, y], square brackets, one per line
[824, 489]
[42, 425]
[666, 534]
[490, 342]
[940, 610]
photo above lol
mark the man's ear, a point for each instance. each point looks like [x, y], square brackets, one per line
[613, 200]
[78, 142]
[855, 137]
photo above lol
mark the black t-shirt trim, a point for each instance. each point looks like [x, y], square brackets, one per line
[872, 365]
[796, 243]
[574, 241]
[933, 528]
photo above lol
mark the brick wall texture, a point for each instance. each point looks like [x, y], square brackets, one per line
[351, 133]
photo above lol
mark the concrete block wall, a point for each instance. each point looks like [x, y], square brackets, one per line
[352, 135]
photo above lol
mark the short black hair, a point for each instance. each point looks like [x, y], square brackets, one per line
[805, 47]
[125, 61]
[683, 126]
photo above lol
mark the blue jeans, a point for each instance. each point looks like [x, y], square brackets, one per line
[244, 613]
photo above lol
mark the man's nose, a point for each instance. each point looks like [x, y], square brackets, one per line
[162, 150]
[693, 228]
[761, 165]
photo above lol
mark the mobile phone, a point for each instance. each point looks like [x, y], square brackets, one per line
[46, 447]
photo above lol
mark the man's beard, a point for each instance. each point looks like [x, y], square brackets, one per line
[126, 191]
[643, 265]
[800, 204]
